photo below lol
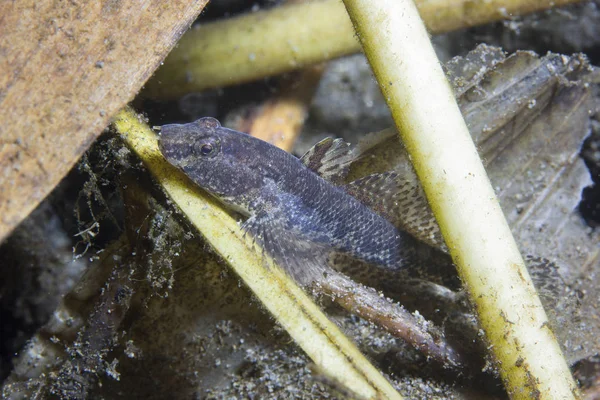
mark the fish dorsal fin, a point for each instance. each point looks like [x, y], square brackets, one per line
[330, 159]
[402, 202]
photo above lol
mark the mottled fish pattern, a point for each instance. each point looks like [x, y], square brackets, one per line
[296, 216]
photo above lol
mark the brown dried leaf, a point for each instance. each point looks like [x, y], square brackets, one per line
[65, 69]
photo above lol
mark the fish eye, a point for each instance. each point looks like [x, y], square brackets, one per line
[206, 149]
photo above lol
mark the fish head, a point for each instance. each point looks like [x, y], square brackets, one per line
[226, 163]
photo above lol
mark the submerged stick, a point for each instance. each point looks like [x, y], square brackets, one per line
[396, 43]
[395, 319]
[326, 345]
[285, 38]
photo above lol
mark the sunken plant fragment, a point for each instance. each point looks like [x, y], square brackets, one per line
[335, 356]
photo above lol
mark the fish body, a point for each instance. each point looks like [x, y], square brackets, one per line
[293, 212]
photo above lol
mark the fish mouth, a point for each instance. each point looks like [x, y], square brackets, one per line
[168, 131]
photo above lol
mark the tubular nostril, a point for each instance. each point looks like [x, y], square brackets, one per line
[209, 123]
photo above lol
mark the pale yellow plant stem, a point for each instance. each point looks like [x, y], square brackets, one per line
[281, 39]
[335, 355]
[397, 45]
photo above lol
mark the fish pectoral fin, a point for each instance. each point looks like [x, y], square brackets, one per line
[330, 159]
[301, 258]
[402, 202]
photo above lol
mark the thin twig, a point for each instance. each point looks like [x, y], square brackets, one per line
[432, 128]
[285, 38]
[334, 354]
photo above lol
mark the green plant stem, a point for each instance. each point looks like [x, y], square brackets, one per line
[397, 45]
[335, 356]
[285, 38]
